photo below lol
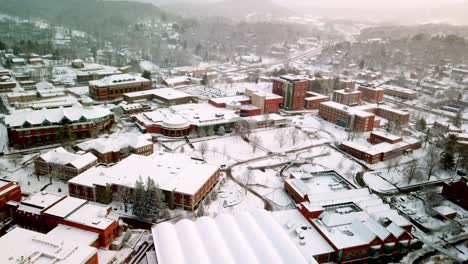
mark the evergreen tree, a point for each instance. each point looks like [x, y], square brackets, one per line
[457, 120]
[447, 160]
[362, 64]
[149, 210]
[160, 204]
[139, 198]
[146, 75]
[421, 125]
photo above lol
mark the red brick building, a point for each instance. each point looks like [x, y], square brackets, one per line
[47, 126]
[372, 94]
[184, 181]
[25, 246]
[9, 191]
[64, 165]
[386, 112]
[377, 137]
[350, 118]
[381, 151]
[348, 96]
[266, 102]
[44, 211]
[114, 86]
[312, 102]
[293, 89]
[118, 146]
[456, 191]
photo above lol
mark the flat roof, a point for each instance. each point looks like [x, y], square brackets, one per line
[65, 207]
[347, 109]
[80, 236]
[398, 89]
[51, 248]
[229, 99]
[39, 201]
[247, 237]
[165, 93]
[294, 223]
[93, 215]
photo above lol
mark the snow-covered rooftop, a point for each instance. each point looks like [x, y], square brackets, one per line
[164, 93]
[171, 172]
[195, 114]
[116, 142]
[229, 99]
[62, 157]
[65, 207]
[80, 236]
[93, 215]
[118, 79]
[39, 201]
[21, 244]
[296, 226]
[248, 237]
[38, 117]
[347, 109]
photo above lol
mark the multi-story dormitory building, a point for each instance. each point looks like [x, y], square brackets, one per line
[348, 117]
[46, 126]
[115, 86]
[293, 89]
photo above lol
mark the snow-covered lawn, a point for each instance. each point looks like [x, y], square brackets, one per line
[232, 198]
[226, 150]
[311, 123]
[384, 180]
[345, 166]
[19, 168]
[285, 139]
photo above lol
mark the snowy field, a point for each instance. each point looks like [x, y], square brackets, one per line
[226, 150]
[20, 168]
[286, 139]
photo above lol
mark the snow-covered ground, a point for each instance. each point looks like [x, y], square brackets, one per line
[20, 168]
[226, 150]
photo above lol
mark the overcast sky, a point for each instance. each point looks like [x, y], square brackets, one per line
[368, 3]
[371, 4]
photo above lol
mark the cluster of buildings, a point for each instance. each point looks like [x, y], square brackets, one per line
[61, 229]
[334, 223]
[362, 118]
[252, 103]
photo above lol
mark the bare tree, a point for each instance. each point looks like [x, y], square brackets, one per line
[281, 137]
[255, 141]
[393, 163]
[431, 160]
[125, 196]
[295, 135]
[412, 172]
[431, 199]
[203, 148]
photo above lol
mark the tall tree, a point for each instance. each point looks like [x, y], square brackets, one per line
[421, 124]
[412, 171]
[431, 160]
[146, 74]
[457, 120]
[139, 198]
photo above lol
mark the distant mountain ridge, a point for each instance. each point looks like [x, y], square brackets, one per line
[228, 8]
[92, 16]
